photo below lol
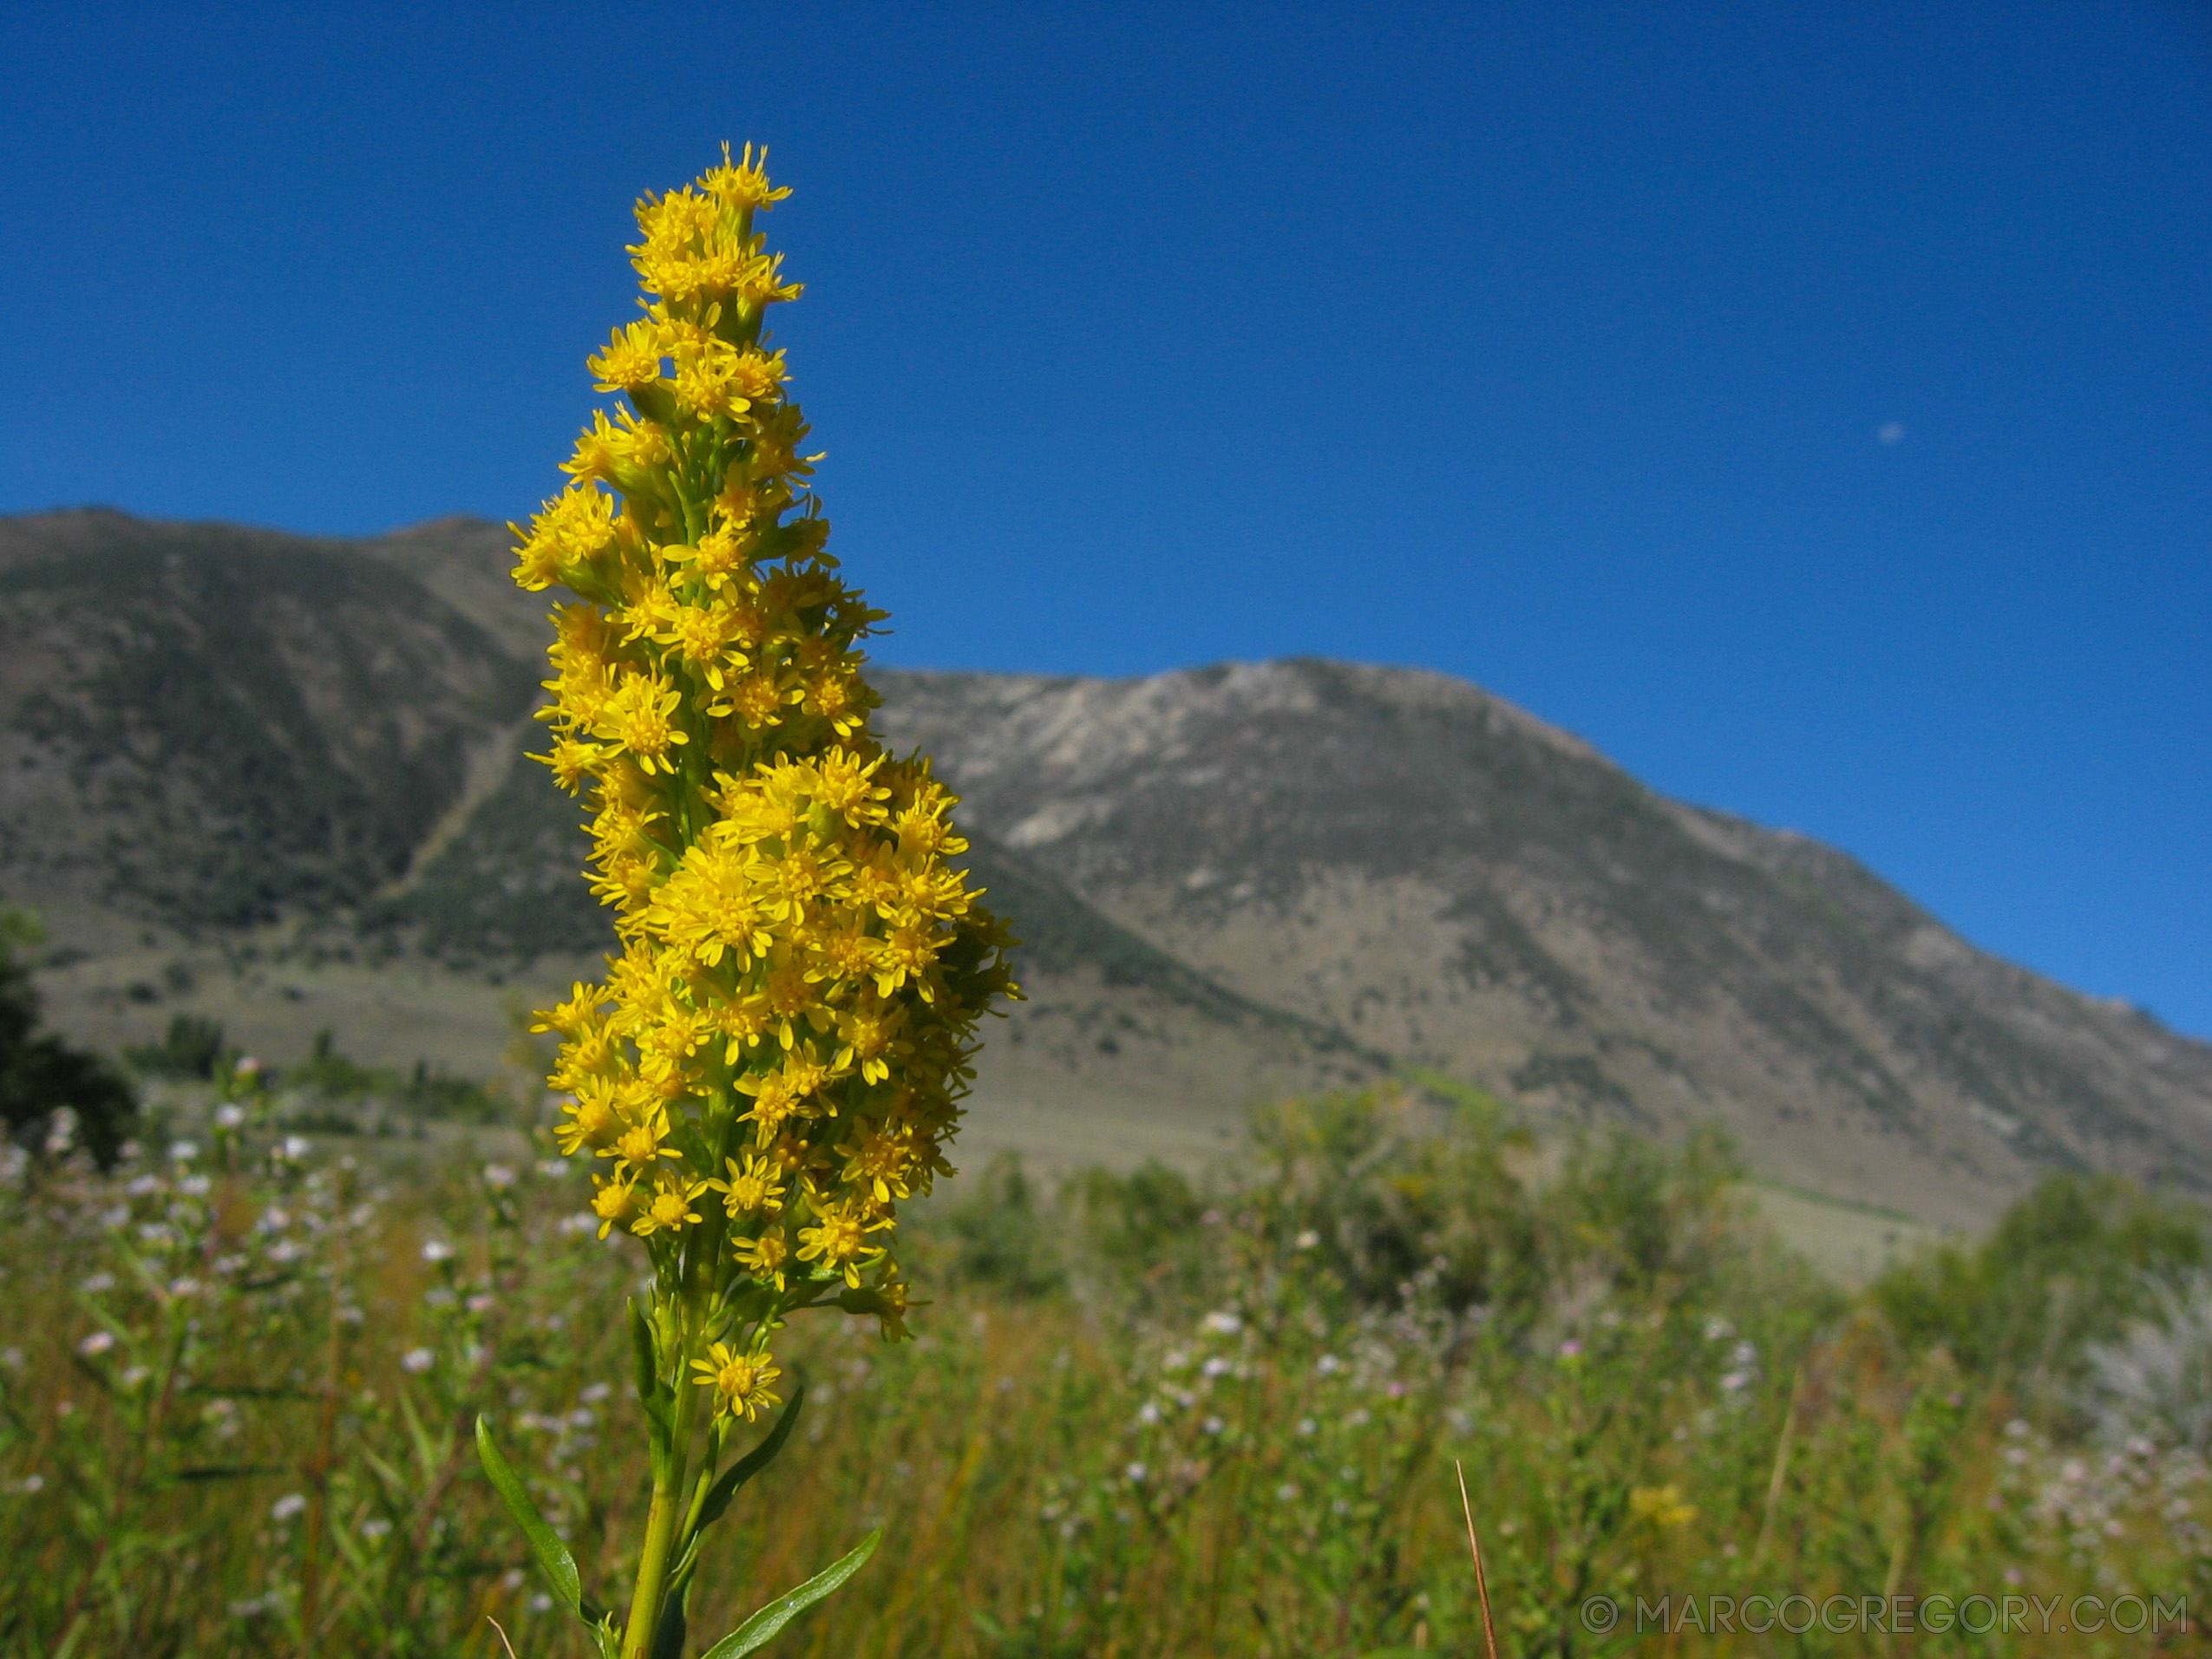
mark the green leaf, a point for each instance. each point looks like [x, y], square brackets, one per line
[668, 1641]
[553, 1554]
[751, 1464]
[758, 1630]
[427, 1453]
[388, 1476]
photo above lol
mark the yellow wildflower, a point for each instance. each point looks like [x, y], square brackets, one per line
[615, 1203]
[790, 1021]
[742, 183]
[774, 1104]
[638, 1146]
[792, 1012]
[868, 1033]
[739, 1381]
[751, 1185]
[765, 1257]
[631, 359]
[880, 1161]
[592, 1119]
[580, 1011]
[1662, 1506]
[841, 1241]
[640, 718]
[668, 1207]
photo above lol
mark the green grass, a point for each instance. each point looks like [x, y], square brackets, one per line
[1142, 1415]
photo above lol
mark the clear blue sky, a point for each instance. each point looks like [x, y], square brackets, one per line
[1552, 345]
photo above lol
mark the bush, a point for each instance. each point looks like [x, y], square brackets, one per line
[337, 1076]
[2155, 1384]
[1141, 1234]
[2067, 1267]
[999, 1240]
[1384, 1193]
[192, 1049]
[42, 1078]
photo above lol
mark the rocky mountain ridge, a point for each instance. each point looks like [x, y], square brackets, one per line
[1234, 879]
[1452, 882]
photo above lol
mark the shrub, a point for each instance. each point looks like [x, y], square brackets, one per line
[52, 1094]
[2067, 1267]
[192, 1048]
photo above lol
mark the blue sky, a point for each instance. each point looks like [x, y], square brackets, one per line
[1551, 345]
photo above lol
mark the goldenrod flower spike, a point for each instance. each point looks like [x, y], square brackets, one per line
[783, 1039]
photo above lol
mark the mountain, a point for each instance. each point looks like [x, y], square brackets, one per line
[1450, 881]
[212, 726]
[278, 780]
[225, 751]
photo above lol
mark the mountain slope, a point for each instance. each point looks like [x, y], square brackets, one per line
[212, 726]
[1449, 880]
[1111, 1022]
[1233, 881]
[303, 751]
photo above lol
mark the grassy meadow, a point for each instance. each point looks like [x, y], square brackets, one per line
[1142, 1415]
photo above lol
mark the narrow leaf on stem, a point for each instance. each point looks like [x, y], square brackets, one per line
[757, 1632]
[552, 1555]
[735, 1477]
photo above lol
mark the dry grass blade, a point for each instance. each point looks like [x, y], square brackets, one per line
[1781, 1467]
[504, 1643]
[1475, 1548]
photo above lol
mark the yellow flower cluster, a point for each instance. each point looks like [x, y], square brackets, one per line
[778, 1053]
[1661, 1505]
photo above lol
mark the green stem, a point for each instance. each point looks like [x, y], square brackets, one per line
[668, 1506]
[700, 1486]
[672, 1506]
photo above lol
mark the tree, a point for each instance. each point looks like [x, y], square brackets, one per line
[40, 1074]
